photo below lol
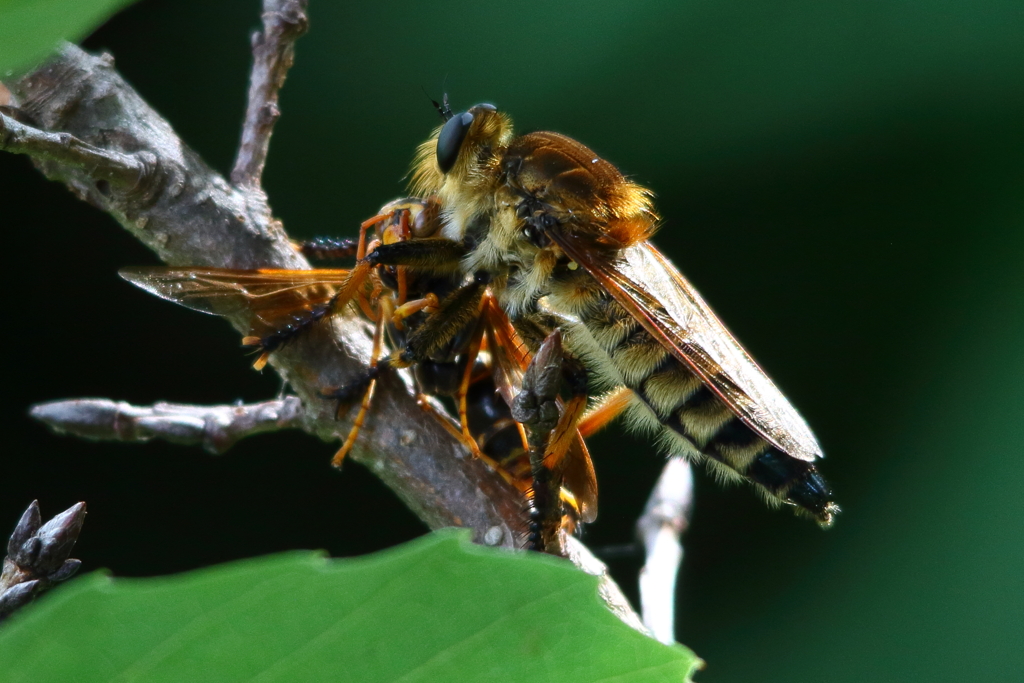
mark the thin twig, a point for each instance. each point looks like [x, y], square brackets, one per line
[38, 555]
[273, 51]
[215, 428]
[664, 520]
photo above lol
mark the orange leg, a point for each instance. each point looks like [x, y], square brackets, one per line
[257, 342]
[610, 407]
[403, 284]
[366, 307]
[428, 303]
[467, 374]
[469, 442]
[564, 433]
[405, 233]
[351, 287]
[366, 225]
[364, 406]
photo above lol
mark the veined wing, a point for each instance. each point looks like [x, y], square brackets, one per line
[267, 295]
[649, 287]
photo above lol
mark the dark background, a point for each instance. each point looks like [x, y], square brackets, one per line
[844, 182]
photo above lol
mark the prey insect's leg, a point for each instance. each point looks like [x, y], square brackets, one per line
[469, 442]
[453, 314]
[472, 352]
[366, 385]
[428, 304]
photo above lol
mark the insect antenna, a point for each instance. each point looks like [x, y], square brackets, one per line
[443, 108]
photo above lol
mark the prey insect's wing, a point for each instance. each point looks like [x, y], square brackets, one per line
[509, 359]
[266, 296]
[649, 287]
[509, 355]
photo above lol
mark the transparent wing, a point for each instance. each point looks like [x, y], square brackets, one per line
[268, 296]
[649, 287]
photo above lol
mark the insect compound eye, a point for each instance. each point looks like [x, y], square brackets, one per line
[424, 222]
[449, 142]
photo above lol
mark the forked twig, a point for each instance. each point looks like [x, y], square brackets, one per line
[193, 216]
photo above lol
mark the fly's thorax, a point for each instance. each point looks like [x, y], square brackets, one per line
[501, 247]
[528, 282]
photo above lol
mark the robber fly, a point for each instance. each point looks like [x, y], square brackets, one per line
[479, 365]
[561, 239]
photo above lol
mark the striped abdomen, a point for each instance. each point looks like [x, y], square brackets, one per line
[672, 401]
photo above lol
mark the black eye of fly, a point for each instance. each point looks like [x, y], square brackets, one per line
[450, 140]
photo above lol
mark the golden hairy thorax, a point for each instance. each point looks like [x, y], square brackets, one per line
[482, 199]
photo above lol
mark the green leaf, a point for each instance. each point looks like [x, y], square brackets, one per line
[436, 609]
[31, 29]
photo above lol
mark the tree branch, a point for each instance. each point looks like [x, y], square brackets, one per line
[273, 51]
[192, 216]
[215, 428]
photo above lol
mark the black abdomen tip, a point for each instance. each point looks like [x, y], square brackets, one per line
[795, 481]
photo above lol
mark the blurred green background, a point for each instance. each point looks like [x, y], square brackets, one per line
[844, 182]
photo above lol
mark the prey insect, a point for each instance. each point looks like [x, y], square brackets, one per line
[479, 365]
[478, 361]
[562, 238]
